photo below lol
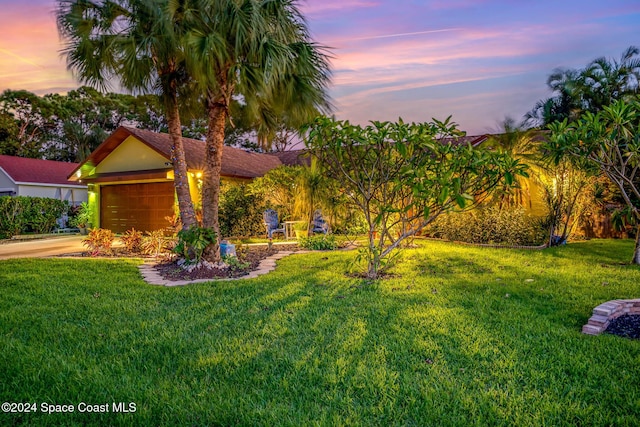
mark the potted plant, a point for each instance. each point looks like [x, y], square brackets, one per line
[301, 228]
[81, 218]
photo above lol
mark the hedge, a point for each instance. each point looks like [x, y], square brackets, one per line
[29, 214]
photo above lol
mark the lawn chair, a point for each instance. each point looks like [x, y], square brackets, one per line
[319, 225]
[271, 223]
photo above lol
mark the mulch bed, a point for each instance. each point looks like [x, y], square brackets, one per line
[170, 270]
[627, 325]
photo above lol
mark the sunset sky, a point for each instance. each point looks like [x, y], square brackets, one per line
[478, 60]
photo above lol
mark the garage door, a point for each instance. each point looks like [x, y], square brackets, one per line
[139, 206]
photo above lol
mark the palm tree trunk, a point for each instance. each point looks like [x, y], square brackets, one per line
[211, 175]
[181, 179]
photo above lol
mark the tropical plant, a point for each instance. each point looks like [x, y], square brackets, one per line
[609, 141]
[312, 189]
[141, 44]
[132, 240]
[99, 241]
[155, 243]
[192, 242]
[81, 216]
[403, 176]
[519, 143]
[262, 51]
[609, 80]
[575, 91]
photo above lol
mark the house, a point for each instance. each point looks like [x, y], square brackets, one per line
[130, 176]
[21, 176]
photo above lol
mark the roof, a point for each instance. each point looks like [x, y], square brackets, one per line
[235, 162]
[37, 171]
[473, 140]
[293, 157]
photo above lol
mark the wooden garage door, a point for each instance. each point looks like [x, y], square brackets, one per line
[139, 206]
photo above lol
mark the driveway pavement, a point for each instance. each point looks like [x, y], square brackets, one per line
[39, 248]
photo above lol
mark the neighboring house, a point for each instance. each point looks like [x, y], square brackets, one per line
[21, 176]
[130, 176]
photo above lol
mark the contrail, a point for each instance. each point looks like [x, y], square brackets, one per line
[386, 36]
[8, 52]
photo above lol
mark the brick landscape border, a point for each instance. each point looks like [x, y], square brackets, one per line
[608, 311]
[152, 277]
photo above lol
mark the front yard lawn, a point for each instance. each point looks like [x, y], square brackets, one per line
[457, 335]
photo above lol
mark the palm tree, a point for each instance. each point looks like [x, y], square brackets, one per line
[259, 50]
[567, 86]
[599, 84]
[608, 80]
[139, 43]
[522, 144]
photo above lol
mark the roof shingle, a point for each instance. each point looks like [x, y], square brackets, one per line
[235, 162]
[37, 171]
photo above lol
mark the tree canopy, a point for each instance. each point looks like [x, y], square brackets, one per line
[575, 91]
[402, 176]
[609, 141]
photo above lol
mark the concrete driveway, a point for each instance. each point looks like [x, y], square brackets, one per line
[38, 248]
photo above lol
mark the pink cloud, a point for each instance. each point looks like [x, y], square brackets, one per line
[330, 6]
[29, 50]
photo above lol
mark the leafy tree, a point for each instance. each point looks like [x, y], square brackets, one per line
[278, 186]
[610, 141]
[9, 144]
[241, 212]
[140, 43]
[31, 114]
[403, 176]
[262, 51]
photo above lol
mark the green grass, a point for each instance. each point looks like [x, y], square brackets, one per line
[459, 336]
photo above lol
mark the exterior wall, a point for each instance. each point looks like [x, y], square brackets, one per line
[74, 196]
[131, 155]
[6, 184]
[534, 203]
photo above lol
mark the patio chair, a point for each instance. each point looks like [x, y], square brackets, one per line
[319, 224]
[271, 223]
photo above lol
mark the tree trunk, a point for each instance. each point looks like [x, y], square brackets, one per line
[636, 251]
[181, 179]
[217, 110]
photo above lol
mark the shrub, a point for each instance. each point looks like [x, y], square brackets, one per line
[155, 243]
[132, 240]
[192, 243]
[13, 221]
[490, 225]
[81, 216]
[37, 214]
[241, 213]
[99, 241]
[41, 213]
[234, 263]
[320, 242]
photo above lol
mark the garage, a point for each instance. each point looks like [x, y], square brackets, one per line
[140, 206]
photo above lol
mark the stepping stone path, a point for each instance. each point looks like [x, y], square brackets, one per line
[606, 312]
[152, 277]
